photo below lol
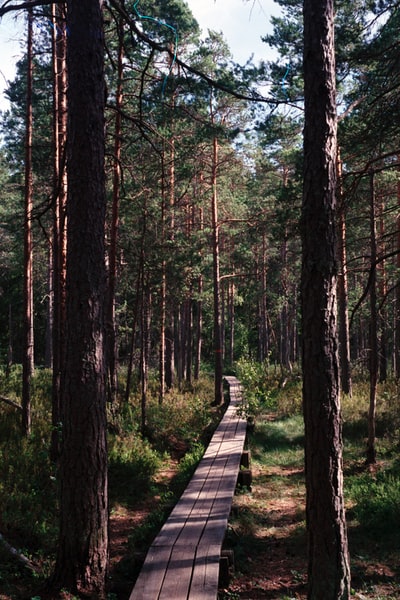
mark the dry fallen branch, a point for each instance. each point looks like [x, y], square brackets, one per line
[17, 555]
[10, 402]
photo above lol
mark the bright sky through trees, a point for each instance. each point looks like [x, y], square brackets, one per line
[10, 51]
[243, 23]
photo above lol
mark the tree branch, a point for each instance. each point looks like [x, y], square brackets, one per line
[254, 97]
[6, 7]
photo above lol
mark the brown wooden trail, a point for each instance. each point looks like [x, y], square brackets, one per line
[183, 561]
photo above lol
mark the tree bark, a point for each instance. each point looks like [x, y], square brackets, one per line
[328, 561]
[218, 366]
[28, 351]
[145, 353]
[199, 313]
[344, 335]
[82, 554]
[396, 352]
[383, 287]
[231, 319]
[163, 288]
[373, 334]
[59, 202]
[112, 346]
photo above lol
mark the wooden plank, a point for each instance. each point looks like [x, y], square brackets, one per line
[151, 577]
[178, 576]
[183, 561]
[204, 584]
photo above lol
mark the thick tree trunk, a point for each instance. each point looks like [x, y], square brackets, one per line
[82, 554]
[28, 350]
[328, 562]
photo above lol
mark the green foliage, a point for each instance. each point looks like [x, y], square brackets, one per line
[132, 466]
[181, 417]
[144, 534]
[11, 382]
[28, 480]
[256, 386]
[28, 490]
[188, 464]
[377, 501]
[288, 396]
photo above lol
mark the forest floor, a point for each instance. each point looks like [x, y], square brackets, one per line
[266, 532]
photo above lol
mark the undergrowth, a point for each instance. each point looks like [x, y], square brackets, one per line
[178, 431]
[178, 428]
[268, 526]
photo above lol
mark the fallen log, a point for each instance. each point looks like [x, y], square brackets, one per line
[11, 402]
[23, 560]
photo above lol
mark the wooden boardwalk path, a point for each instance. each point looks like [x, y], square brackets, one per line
[183, 561]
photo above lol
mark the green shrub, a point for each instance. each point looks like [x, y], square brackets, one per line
[28, 492]
[256, 386]
[188, 464]
[377, 501]
[132, 466]
[182, 417]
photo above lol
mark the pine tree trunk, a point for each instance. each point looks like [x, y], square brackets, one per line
[344, 335]
[263, 344]
[139, 284]
[328, 561]
[231, 318]
[382, 350]
[199, 314]
[199, 328]
[396, 352]
[163, 289]
[82, 554]
[145, 354]
[373, 333]
[28, 351]
[284, 315]
[59, 221]
[218, 365]
[10, 342]
[112, 346]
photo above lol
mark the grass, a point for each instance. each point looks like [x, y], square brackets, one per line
[268, 531]
[176, 434]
